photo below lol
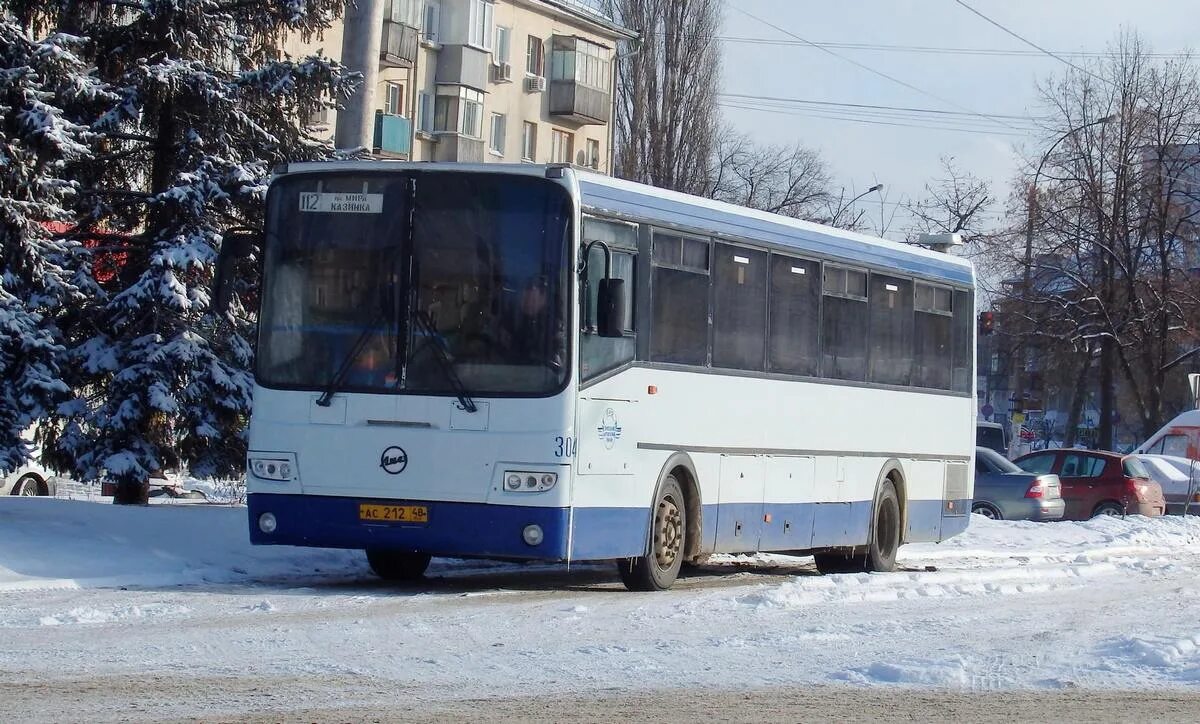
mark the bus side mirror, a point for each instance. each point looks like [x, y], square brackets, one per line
[236, 245]
[610, 308]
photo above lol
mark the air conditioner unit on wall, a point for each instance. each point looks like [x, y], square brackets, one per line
[535, 84]
[502, 73]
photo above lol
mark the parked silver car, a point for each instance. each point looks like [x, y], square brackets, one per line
[1004, 491]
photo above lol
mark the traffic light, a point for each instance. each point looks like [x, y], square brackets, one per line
[987, 323]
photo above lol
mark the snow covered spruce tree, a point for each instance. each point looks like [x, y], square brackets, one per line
[41, 272]
[206, 109]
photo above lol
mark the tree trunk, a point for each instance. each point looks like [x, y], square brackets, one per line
[1071, 433]
[132, 492]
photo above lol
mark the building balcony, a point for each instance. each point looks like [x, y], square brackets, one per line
[393, 135]
[398, 46]
[576, 102]
[455, 147]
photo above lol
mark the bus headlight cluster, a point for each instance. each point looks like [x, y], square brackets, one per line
[523, 481]
[272, 468]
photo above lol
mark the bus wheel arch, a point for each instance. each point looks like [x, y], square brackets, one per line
[681, 466]
[892, 471]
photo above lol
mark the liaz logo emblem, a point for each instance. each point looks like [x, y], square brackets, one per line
[393, 460]
[609, 429]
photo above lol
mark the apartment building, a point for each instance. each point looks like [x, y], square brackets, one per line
[491, 81]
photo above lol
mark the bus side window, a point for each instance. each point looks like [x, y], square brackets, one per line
[600, 354]
[844, 324]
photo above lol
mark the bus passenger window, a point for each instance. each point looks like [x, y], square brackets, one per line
[795, 311]
[739, 308]
[891, 330]
[964, 337]
[679, 331]
[932, 338]
[844, 324]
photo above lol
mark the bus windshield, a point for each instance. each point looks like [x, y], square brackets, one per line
[410, 280]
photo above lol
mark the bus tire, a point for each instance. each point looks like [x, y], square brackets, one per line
[397, 565]
[668, 525]
[880, 556]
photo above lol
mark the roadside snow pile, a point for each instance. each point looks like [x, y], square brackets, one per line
[47, 543]
[992, 538]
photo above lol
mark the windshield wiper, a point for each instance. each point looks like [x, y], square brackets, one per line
[430, 331]
[344, 369]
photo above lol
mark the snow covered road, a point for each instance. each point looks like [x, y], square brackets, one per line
[102, 606]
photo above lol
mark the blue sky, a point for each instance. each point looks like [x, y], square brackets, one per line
[902, 158]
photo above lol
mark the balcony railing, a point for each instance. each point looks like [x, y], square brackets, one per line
[398, 47]
[579, 103]
[393, 135]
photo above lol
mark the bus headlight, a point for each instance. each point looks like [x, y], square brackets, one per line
[273, 466]
[526, 481]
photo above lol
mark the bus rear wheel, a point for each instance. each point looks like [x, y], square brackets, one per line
[668, 526]
[880, 556]
[398, 566]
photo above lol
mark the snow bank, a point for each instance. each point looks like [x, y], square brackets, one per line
[48, 543]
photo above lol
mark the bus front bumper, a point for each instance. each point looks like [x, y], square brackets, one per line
[453, 529]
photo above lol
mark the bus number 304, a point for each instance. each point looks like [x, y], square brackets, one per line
[564, 447]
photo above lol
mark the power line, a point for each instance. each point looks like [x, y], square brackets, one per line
[933, 50]
[871, 106]
[863, 66]
[1033, 44]
[816, 113]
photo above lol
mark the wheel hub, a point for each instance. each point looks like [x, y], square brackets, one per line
[668, 533]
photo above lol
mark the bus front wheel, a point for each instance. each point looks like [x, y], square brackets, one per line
[668, 526]
[398, 566]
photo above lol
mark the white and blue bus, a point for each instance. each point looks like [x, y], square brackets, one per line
[538, 363]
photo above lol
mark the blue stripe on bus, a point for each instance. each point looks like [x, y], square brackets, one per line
[494, 531]
[454, 529]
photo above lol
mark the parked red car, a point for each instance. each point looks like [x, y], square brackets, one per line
[1098, 483]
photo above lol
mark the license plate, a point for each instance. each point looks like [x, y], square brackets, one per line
[373, 513]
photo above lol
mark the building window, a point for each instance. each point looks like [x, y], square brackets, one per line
[529, 142]
[318, 118]
[501, 49]
[443, 107]
[393, 99]
[458, 110]
[593, 153]
[496, 143]
[579, 60]
[481, 24]
[535, 57]
[433, 20]
[425, 116]
[561, 146]
[405, 11]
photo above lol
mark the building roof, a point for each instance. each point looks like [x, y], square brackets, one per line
[588, 13]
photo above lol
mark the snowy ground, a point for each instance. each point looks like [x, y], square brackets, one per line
[166, 611]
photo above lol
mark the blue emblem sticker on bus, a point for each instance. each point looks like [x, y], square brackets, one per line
[609, 429]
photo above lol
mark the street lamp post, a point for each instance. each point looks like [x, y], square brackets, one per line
[1019, 367]
[838, 215]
